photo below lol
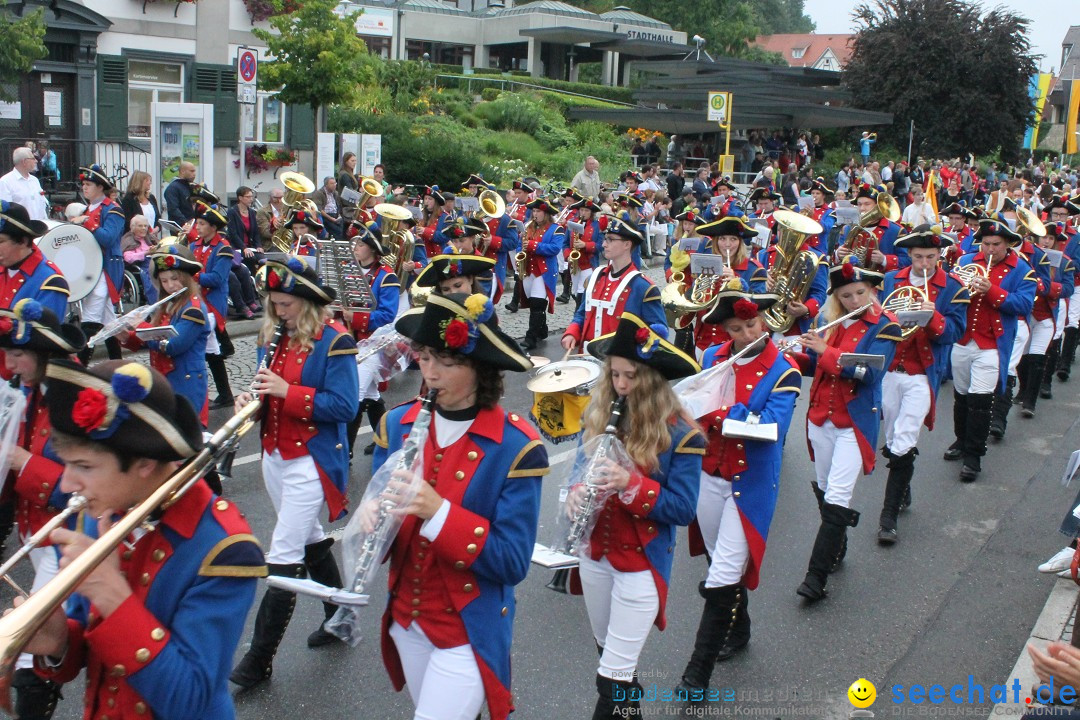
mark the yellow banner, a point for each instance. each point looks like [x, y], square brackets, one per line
[1070, 121]
[1040, 103]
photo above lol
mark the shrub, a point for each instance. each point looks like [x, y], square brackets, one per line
[489, 93]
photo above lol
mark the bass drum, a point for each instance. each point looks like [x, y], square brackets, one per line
[73, 249]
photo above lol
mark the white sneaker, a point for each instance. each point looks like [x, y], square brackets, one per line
[1066, 573]
[1061, 560]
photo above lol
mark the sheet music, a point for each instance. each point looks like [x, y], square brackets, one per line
[546, 557]
[318, 590]
[876, 362]
[575, 227]
[704, 261]
[468, 203]
[690, 244]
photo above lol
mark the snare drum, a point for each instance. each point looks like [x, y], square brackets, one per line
[560, 394]
[74, 250]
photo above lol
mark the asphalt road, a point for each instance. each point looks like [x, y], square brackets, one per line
[956, 597]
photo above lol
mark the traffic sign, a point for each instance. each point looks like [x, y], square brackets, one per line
[245, 94]
[718, 107]
[247, 66]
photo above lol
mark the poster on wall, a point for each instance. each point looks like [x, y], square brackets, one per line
[370, 153]
[350, 142]
[324, 157]
[178, 142]
[181, 132]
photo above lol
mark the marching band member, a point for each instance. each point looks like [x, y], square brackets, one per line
[728, 238]
[30, 336]
[1044, 326]
[740, 479]
[723, 203]
[804, 312]
[105, 220]
[1063, 210]
[464, 234]
[542, 243]
[689, 220]
[823, 213]
[500, 242]
[1070, 248]
[910, 387]
[630, 205]
[307, 228]
[980, 359]
[433, 221]
[213, 252]
[567, 214]
[384, 289]
[613, 290]
[310, 388]
[518, 211]
[625, 569]
[467, 536]
[155, 623]
[885, 233]
[28, 274]
[588, 243]
[842, 423]
[958, 215]
[765, 202]
[181, 359]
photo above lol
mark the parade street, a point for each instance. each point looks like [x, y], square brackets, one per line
[957, 596]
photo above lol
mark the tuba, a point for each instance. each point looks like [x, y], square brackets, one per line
[297, 186]
[1028, 223]
[492, 207]
[400, 243]
[369, 188]
[860, 240]
[795, 268]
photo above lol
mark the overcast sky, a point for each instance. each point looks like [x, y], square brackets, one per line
[1049, 21]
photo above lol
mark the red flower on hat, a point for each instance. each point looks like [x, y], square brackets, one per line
[457, 334]
[89, 409]
[301, 216]
[691, 216]
[935, 241]
[641, 336]
[848, 271]
[745, 309]
[170, 261]
[5, 326]
[273, 279]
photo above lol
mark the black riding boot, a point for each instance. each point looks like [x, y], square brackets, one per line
[901, 470]
[721, 621]
[537, 323]
[614, 698]
[1035, 368]
[980, 412]
[89, 330]
[35, 697]
[515, 297]
[959, 417]
[271, 621]
[835, 520]
[112, 348]
[1021, 379]
[353, 428]
[1045, 388]
[999, 416]
[1068, 352]
[375, 410]
[323, 568]
[565, 296]
[224, 398]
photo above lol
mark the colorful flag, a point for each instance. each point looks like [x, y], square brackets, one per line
[1070, 120]
[1038, 89]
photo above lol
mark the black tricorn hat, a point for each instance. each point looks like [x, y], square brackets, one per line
[924, 236]
[763, 193]
[15, 221]
[213, 215]
[173, 257]
[736, 300]
[444, 267]
[623, 229]
[125, 406]
[1061, 201]
[542, 204]
[371, 236]
[465, 325]
[295, 277]
[31, 326]
[95, 174]
[636, 341]
[729, 225]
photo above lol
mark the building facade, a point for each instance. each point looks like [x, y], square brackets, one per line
[809, 50]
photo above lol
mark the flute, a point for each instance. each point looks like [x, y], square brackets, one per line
[787, 345]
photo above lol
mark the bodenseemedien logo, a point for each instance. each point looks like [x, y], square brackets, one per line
[861, 694]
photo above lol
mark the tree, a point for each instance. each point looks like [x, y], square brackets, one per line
[318, 60]
[22, 41]
[960, 74]
[781, 16]
[727, 25]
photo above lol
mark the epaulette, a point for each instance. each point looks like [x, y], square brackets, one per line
[891, 331]
[57, 283]
[225, 249]
[343, 344]
[193, 314]
[115, 210]
[790, 381]
[237, 555]
[692, 443]
[651, 293]
[380, 433]
[391, 280]
[531, 461]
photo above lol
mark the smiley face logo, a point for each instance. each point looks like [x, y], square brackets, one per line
[862, 693]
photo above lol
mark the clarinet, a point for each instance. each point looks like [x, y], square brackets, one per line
[376, 540]
[224, 468]
[588, 506]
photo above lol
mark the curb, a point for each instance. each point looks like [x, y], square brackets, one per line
[1055, 618]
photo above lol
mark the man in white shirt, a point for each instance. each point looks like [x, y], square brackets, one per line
[21, 187]
[587, 181]
[919, 212]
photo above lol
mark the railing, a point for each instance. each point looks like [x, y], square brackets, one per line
[505, 84]
[118, 160]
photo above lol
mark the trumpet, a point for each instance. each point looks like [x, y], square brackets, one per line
[787, 345]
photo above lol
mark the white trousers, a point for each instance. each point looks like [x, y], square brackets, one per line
[837, 461]
[535, 287]
[443, 684]
[1023, 333]
[1063, 309]
[368, 374]
[1074, 308]
[297, 495]
[1042, 332]
[974, 370]
[213, 347]
[722, 531]
[905, 402]
[46, 562]
[579, 281]
[96, 307]
[622, 608]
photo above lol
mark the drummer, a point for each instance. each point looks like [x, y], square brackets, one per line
[29, 274]
[105, 220]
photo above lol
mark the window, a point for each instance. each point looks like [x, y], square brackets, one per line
[151, 82]
[797, 53]
[265, 122]
[1066, 50]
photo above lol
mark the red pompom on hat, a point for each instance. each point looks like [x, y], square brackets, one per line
[745, 309]
[642, 335]
[848, 271]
